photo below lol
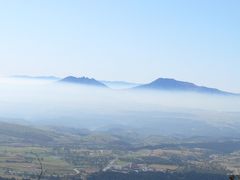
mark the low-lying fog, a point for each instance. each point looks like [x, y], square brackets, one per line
[52, 103]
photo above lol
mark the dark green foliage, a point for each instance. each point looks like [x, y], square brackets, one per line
[25, 133]
[156, 176]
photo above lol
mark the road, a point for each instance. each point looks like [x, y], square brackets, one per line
[76, 171]
[110, 164]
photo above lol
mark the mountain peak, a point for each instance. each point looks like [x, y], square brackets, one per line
[82, 81]
[168, 84]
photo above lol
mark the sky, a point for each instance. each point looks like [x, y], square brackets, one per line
[131, 40]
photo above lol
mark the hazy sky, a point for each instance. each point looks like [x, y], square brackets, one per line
[132, 40]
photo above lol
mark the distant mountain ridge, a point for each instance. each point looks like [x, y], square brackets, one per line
[167, 84]
[160, 84]
[120, 84]
[36, 77]
[82, 81]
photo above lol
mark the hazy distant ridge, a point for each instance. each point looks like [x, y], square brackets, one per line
[160, 84]
[120, 84]
[167, 84]
[82, 81]
[36, 77]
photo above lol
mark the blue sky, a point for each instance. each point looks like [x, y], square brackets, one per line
[132, 40]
